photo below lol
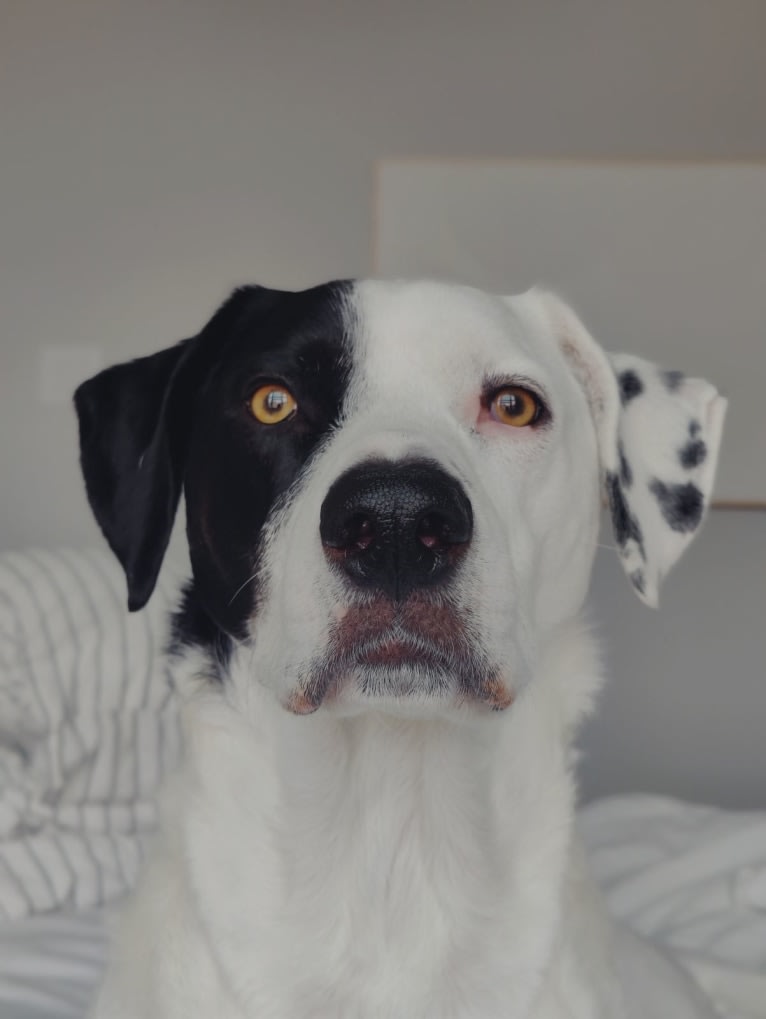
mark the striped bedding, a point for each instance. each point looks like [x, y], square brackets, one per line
[88, 726]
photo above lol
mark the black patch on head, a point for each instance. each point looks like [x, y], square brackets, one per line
[682, 505]
[625, 525]
[672, 379]
[694, 428]
[630, 385]
[692, 454]
[626, 472]
[638, 580]
[238, 468]
[180, 420]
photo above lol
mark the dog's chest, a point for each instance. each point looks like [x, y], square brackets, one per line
[410, 904]
[376, 885]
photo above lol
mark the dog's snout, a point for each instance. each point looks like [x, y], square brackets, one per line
[396, 527]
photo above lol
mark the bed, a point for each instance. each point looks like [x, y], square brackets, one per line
[88, 727]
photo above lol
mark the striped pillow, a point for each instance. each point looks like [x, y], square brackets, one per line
[88, 726]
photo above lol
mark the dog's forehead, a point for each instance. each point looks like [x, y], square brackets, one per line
[443, 333]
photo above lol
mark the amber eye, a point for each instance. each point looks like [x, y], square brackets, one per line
[272, 403]
[515, 406]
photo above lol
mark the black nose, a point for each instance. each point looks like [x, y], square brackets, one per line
[396, 526]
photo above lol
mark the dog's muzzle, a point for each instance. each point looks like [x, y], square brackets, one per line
[396, 527]
[396, 532]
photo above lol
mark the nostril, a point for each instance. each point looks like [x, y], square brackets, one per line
[359, 532]
[355, 534]
[434, 532]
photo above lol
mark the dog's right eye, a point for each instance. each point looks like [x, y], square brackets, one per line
[272, 403]
[516, 406]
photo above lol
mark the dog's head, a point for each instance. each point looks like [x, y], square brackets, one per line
[393, 489]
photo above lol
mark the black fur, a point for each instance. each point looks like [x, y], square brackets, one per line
[625, 524]
[638, 579]
[672, 379]
[626, 472]
[192, 626]
[692, 454]
[682, 505]
[630, 386]
[132, 449]
[179, 420]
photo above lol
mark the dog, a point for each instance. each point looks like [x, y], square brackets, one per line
[392, 493]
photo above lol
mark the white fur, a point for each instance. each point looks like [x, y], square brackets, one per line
[403, 858]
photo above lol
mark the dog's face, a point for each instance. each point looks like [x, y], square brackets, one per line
[393, 489]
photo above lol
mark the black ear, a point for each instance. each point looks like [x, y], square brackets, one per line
[132, 451]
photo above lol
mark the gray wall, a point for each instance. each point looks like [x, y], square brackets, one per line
[684, 710]
[156, 153]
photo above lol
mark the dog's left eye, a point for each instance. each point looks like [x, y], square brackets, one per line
[516, 406]
[272, 403]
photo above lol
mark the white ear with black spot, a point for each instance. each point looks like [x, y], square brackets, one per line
[658, 435]
[668, 436]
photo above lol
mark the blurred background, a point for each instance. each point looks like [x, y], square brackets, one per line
[155, 154]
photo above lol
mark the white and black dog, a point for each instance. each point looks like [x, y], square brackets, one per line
[392, 494]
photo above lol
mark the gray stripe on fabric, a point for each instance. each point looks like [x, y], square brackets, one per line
[99, 897]
[33, 671]
[96, 563]
[56, 840]
[80, 562]
[18, 885]
[73, 693]
[28, 844]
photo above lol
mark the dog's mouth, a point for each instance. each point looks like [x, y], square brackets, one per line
[421, 650]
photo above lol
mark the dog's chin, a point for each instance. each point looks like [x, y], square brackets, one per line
[408, 688]
[419, 657]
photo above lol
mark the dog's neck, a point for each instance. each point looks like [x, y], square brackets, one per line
[365, 754]
[371, 826]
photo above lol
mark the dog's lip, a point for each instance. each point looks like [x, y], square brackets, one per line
[401, 655]
[422, 635]
[391, 650]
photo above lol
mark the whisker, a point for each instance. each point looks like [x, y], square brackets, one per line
[243, 586]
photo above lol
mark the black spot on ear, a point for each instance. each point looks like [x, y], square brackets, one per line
[630, 385]
[624, 523]
[681, 505]
[638, 580]
[626, 472]
[692, 454]
[672, 380]
[694, 428]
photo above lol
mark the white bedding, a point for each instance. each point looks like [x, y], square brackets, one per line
[88, 728]
[691, 878]
[50, 963]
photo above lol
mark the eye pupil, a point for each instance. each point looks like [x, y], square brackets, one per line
[511, 403]
[272, 403]
[516, 406]
[275, 400]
